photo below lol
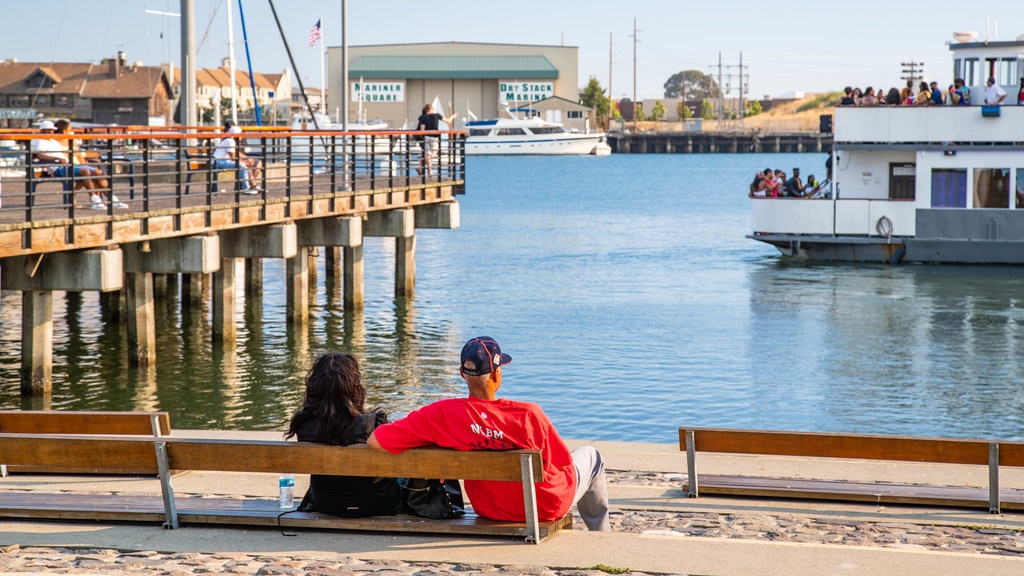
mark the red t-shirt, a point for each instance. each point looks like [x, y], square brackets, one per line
[476, 424]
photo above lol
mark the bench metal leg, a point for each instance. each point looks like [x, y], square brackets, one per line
[691, 464]
[993, 478]
[529, 499]
[163, 466]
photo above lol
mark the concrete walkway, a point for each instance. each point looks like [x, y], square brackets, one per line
[654, 551]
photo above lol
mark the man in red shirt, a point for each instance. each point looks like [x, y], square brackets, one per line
[483, 421]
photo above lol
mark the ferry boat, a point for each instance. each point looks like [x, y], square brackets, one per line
[931, 184]
[529, 135]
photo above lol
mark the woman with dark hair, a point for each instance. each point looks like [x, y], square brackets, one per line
[333, 413]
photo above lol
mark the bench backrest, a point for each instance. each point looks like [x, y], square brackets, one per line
[85, 422]
[262, 456]
[854, 446]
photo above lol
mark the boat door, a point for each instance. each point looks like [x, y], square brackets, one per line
[901, 180]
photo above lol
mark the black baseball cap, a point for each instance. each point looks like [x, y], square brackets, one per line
[482, 355]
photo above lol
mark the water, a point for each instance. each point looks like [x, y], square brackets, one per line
[631, 302]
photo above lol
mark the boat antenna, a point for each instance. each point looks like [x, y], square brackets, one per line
[295, 68]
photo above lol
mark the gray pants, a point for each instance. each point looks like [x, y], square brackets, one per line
[591, 498]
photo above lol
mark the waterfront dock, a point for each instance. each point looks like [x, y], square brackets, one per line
[713, 142]
[187, 221]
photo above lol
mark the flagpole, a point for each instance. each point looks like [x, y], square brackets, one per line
[323, 70]
[231, 67]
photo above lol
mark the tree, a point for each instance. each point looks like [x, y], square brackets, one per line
[593, 96]
[683, 110]
[658, 113]
[755, 108]
[691, 85]
[707, 110]
[639, 113]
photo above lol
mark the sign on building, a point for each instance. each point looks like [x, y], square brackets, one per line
[378, 91]
[516, 91]
[18, 114]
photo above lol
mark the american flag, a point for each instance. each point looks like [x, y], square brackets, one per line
[314, 34]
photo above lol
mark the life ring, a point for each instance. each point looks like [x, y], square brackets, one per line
[884, 226]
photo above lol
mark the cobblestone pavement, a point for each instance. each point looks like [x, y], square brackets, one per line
[771, 527]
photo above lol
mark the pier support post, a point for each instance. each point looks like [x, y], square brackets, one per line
[141, 307]
[405, 266]
[191, 289]
[224, 327]
[253, 277]
[36, 343]
[353, 297]
[339, 235]
[272, 241]
[297, 287]
[332, 262]
[37, 276]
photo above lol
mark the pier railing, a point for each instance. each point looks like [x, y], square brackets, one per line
[166, 183]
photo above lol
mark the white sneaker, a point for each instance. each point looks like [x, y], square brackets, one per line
[98, 206]
[251, 191]
[119, 204]
[115, 199]
[95, 199]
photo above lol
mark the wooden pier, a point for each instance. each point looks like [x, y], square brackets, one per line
[718, 142]
[186, 217]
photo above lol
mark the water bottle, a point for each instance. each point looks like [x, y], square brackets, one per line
[286, 484]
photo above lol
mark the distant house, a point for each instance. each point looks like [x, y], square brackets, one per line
[108, 93]
[273, 93]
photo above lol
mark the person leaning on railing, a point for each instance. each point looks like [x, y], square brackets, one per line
[227, 155]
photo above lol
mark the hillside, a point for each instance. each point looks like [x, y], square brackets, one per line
[793, 116]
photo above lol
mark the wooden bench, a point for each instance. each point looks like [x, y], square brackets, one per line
[857, 447]
[161, 456]
[82, 422]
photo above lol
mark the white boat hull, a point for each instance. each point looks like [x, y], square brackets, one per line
[559, 144]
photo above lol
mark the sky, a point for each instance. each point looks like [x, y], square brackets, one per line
[785, 46]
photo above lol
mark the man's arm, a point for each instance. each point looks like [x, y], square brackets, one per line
[372, 442]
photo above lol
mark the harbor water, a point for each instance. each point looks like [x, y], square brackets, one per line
[630, 300]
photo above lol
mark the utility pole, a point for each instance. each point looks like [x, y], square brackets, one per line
[634, 75]
[913, 71]
[611, 101]
[725, 87]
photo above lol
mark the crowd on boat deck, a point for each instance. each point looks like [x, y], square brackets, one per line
[774, 184]
[929, 94]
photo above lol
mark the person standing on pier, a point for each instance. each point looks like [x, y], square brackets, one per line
[482, 421]
[429, 121]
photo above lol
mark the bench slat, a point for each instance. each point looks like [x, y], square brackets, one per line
[74, 453]
[884, 493]
[82, 422]
[245, 511]
[856, 446]
[357, 460]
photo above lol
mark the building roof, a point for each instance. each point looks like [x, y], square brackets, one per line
[83, 79]
[444, 67]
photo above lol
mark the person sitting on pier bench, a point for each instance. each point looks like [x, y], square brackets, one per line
[485, 422]
[55, 152]
[227, 155]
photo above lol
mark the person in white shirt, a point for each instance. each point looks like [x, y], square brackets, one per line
[55, 152]
[994, 94]
[227, 155]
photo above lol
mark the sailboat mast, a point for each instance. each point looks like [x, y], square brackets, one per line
[188, 64]
[231, 66]
[323, 69]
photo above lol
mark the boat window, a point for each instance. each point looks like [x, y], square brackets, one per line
[1006, 74]
[970, 65]
[901, 181]
[479, 131]
[991, 187]
[1020, 187]
[548, 130]
[958, 67]
[949, 188]
[511, 132]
